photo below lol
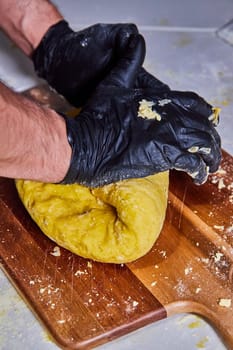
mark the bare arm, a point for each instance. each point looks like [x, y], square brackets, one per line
[26, 21]
[33, 140]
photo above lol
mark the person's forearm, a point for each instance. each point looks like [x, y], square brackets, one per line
[26, 21]
[33, 140]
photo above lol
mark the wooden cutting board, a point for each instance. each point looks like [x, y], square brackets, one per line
[83, 303]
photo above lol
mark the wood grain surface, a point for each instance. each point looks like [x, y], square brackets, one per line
[83, 303]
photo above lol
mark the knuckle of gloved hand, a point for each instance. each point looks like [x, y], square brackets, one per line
[199, 105]
[203, 170]
[193, 165]
[129, 28]
[217, 158]
[190, 100]
[187, 99]
[199, 175]
[125, 31]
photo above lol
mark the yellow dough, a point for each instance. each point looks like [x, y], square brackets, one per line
[116, 223]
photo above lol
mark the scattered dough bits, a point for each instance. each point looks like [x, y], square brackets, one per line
[56, 251]
[195, 149]
[116, 223]
[225, 302]
[145, 110]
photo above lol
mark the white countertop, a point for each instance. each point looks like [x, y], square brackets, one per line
[183, 51]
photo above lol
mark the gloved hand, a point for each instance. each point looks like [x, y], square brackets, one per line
[74, 63]
[110, 142]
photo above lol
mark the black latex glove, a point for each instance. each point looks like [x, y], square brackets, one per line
[110, 142]
[74, 63]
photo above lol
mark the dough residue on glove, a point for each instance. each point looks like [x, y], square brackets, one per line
[145, 110]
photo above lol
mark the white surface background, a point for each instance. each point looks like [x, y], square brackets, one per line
[183, 51]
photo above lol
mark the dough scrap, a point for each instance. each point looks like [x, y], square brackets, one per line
[145, 110]
[116, 223]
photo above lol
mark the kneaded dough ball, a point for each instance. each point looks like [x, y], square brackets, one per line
[116, 223]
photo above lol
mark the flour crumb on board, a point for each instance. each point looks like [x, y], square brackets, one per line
[131, 304]
[221, 171]
[52, 305]
[56, 251]
[221, 184]
[219, 227]
[80, 273]
[218, 178]
[153, 283]
[231, 198]
[180, 288]
[205, 260]
[198, 289]
[61, 321]
[89, 264]
[218, 256]
[224, 302]
[229, 229]
[188, 270]
[49, 289]
[163, 253]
